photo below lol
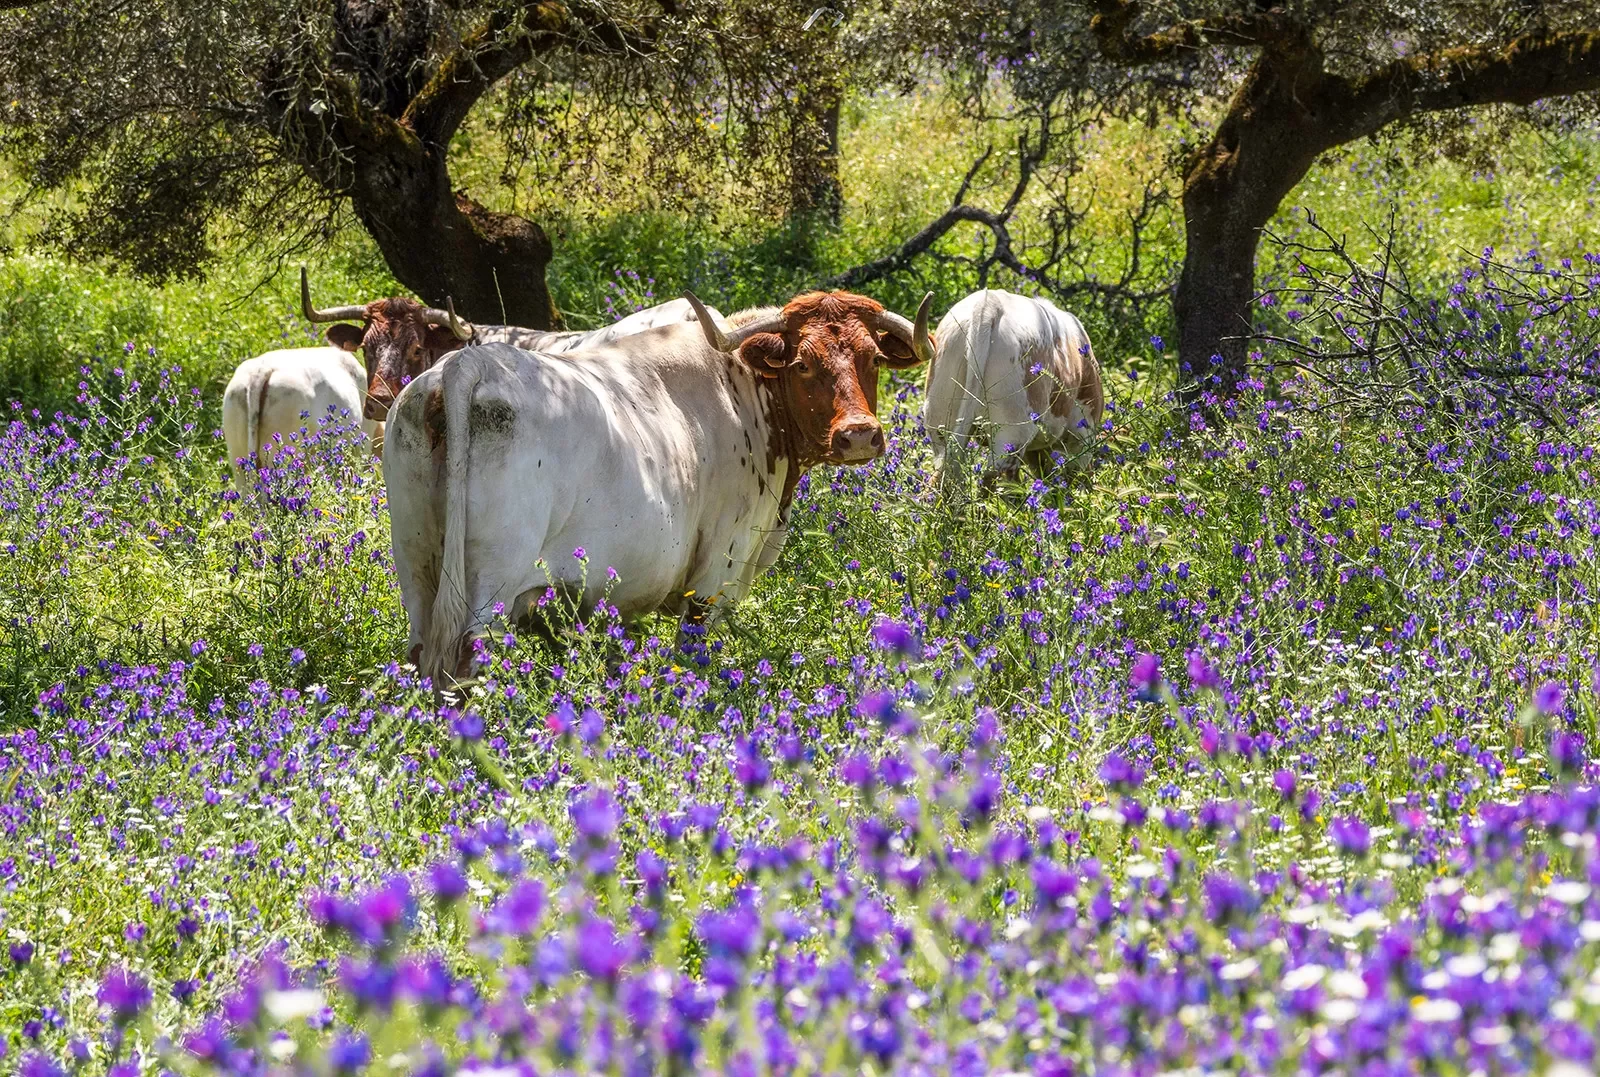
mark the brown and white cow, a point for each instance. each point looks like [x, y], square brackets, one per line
[669, 456]
[1022, 366]
[401, 338]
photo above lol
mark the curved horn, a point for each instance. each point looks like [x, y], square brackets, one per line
[711, 326]
[914, 334]
[723, 340]
[459, 329]
[332, 314]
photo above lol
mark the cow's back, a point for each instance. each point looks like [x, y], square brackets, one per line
[671, 312]
[284, 391]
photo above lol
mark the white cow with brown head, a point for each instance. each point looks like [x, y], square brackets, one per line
[1023, 367]
[670, 456]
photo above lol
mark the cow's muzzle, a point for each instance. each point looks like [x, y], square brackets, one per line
[376, 409]
[857, 442]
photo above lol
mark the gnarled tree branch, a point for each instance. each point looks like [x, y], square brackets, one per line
[1274, 29]
[501, 44]
[1528, 69]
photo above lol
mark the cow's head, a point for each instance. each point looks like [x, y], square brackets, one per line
[824, 350]
[400, 338]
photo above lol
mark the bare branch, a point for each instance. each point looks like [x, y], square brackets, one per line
[1402, 354]
[918, 244]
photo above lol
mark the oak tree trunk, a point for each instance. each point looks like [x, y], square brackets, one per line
[1215, 288]
[439, 243]
[1275, 127]
[814, 186]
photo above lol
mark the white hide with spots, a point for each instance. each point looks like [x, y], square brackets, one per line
[1023, 367]
[651, 454]
[283, 393]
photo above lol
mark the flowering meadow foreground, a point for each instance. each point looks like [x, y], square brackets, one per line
[1268, 751]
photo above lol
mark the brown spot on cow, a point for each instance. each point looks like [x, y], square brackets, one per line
[433, 415]
[1089, 398]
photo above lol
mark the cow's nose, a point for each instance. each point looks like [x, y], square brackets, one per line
[377, 409]
[858, 442]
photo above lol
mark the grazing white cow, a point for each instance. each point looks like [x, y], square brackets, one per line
[285, 391]
[670, 456]
[401, 338]
[1025, 367]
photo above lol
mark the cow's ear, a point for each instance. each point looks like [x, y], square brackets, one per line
[766, 353]
[896, 352]
[441, 340]
[344, 336]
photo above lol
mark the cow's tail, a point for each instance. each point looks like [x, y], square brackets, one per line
[980, 336]
[441, 649]
[255, 405]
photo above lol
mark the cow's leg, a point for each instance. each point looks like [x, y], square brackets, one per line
[235, 432]
[939, 441]
[507, 527]
[1008, 447]
[1010, 410]
[1040, 462]
[693, 624]
[546, 618]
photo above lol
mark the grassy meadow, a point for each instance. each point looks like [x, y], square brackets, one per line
[1268, 748]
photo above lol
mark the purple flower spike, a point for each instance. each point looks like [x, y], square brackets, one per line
[469, 727]
[591, 726]
[1202, 674]
[1350, 835]
[1284, 782]
[349, 1053]
[1145, 677]
[599, 952]
[1121, 773]
[125, 994]
[890, 635]
[519, 911]
[1549, 697]
[447, 882]
[879, 706]
[1567, 754]
[40, 1065]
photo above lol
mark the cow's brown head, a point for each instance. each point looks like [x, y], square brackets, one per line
[824, 350]
[400, 338]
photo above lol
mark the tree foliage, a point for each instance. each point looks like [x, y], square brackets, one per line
[183, 126]
[1259, 92]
